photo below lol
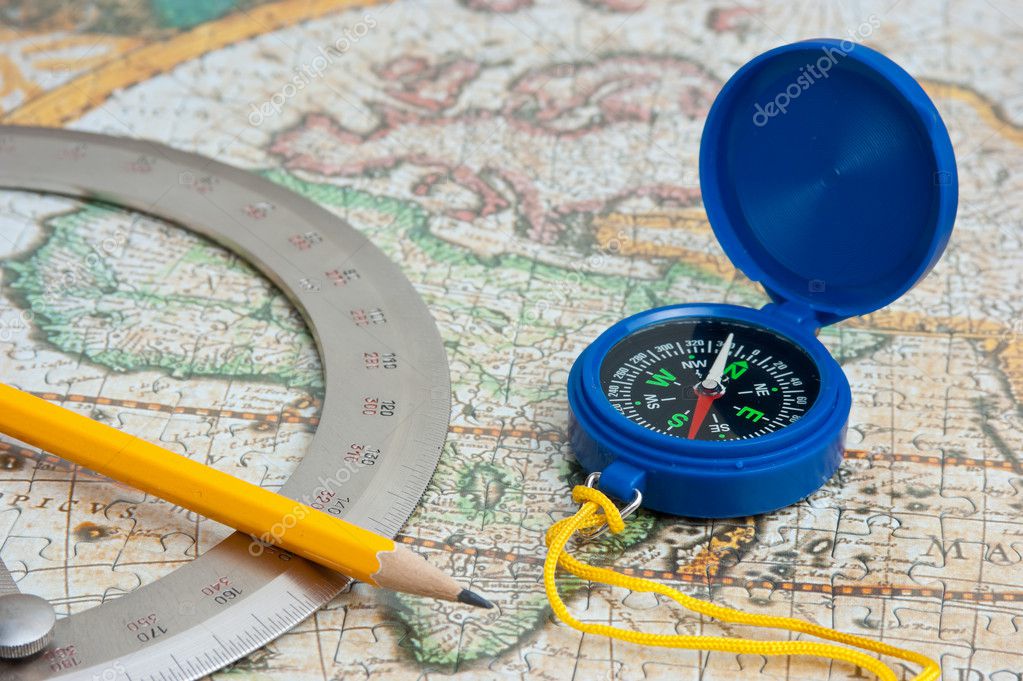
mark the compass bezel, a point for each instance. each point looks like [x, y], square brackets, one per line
[671, 448]
[625, 365]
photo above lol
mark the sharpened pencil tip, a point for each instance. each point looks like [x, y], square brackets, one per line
[470, 598]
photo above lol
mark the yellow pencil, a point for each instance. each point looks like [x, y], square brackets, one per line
[301, 529]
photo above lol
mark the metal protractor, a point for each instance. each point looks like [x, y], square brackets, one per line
[377, 341]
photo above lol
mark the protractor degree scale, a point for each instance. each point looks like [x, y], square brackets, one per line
[376, 340]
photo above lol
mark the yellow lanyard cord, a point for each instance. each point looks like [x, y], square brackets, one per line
[587, 517]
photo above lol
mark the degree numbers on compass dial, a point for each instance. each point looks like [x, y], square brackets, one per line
[657, 378]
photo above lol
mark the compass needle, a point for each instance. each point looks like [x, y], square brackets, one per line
[710, 388]
[712, 381]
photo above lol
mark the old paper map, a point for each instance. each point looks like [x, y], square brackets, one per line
[532, 168]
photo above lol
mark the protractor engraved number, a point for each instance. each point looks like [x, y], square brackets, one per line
[222, 591]
[375, 406]
[305, 240]
[364, 317]
[363, 455]
[147, 628]
[342, 276]
[380, 360]
[62, 659]
[330, 502]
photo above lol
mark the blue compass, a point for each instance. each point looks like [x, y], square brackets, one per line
[827, 176]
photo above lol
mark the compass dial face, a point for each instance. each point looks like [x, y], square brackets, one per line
[710, 379]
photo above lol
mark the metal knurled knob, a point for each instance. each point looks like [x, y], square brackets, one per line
[26, 621]
[26, 625]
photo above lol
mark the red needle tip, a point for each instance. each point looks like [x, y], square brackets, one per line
[703, 402]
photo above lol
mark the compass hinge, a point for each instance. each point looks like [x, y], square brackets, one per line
[801, 314]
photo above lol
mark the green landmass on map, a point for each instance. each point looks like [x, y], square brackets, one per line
[131, 294]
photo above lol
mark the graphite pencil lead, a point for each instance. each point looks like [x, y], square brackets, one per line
[471, 598]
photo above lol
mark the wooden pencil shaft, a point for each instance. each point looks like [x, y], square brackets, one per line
[297, 527]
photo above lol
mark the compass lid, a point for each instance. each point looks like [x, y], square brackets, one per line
[828, 176]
